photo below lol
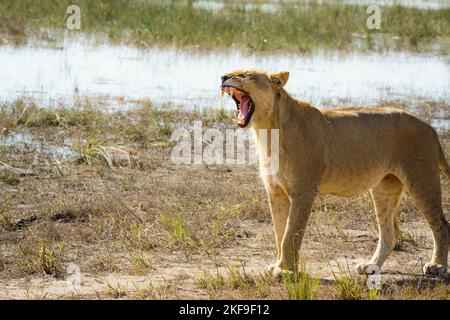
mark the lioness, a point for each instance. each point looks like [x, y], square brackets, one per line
[343, 152]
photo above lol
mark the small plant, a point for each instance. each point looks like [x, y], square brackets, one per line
[10, 177]
[115, 291]
[140, 263]
[152, 292]
[352, 287]
[374, 294]
[414, 238]
[176, 228]
[91, 152]
[349, 287]
[105, 263]
[45, 259]
[213, 283]
[240, 280]
[299, 285]
[49, 259]
[6, 220]
[43, 118]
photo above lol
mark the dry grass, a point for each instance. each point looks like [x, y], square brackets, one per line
[173, 231]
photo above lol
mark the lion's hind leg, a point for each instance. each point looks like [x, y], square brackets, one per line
[425, 190]
[386, 198]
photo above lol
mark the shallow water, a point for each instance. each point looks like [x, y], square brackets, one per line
[27, 143]
[192, 78]
[274, 6]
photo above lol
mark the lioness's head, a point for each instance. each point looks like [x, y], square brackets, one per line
[253, 91]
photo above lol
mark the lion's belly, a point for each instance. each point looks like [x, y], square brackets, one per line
[350, 183]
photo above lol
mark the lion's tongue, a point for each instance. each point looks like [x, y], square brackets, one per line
[244, 110]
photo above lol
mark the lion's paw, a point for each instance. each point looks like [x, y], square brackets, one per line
[432, 269]
[277, 272]
[366, 268]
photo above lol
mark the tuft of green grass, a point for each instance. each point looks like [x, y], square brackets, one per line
[104, 263]
[9, 177]
[300, 285]
[140, 263]
[6, 220]
[414, 237]
[177, 229]
[26, 112]
[44, 259]
[294, 27]
[93, 152]
[348, 286]
[212, 283]
[237, 279]
[152, 292]
[115, 291]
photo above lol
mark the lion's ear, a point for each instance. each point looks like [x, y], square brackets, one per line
[279, 78]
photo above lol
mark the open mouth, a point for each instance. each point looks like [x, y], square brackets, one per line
[244, 105]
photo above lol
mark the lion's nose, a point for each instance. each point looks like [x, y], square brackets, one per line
[225, 78]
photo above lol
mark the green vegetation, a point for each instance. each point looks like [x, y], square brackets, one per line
[103, 133]
[300, 285]
[43, 259]
[293, 27]
[173, 231]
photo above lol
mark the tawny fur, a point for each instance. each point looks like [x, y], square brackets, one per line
[345, 152]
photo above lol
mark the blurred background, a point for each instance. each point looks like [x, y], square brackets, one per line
[175, 51]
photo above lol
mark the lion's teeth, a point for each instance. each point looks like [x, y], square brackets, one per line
[222, 92]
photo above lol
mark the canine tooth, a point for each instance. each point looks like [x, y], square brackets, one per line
[222, 92]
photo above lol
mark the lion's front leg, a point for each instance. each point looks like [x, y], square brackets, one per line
[279, 208]
[299, 212]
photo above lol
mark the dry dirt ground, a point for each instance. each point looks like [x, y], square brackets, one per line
[137, 226]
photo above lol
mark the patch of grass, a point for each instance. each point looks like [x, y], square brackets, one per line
[295, 27]
[419, 289]
[212, 283]
[237, 279]
[109, 217]
[177, 230]
[115, 291]
[152, 292]
[6, 220]
[140, 263]
[28, 113]
[44, 259]
[300, 285]
[151, 123]
[348, 286]
[9, 177]
[413, 237]
[92, 152]
[134, 233]
[254, 207]
[100, 137]
[104, 263]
